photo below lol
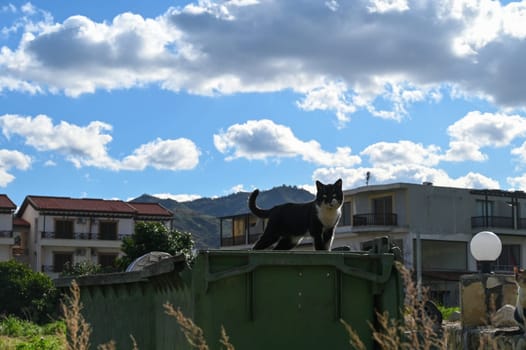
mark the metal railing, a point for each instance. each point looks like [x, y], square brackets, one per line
[81, 236]
[239, 240]
[493, 221]
[373, 219]
[6, 234]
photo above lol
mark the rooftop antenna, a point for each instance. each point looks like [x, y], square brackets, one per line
[367, 178]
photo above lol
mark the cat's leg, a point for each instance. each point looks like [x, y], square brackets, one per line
[287, 243]
[323, 241]
[318, 242]
[328, 237]
[266, 240]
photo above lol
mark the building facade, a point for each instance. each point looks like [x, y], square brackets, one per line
[69, 231]
[432, 225]
[7, 236]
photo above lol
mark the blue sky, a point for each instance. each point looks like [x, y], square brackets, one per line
[181, 99]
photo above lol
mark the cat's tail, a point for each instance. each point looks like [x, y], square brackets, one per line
[262, 213]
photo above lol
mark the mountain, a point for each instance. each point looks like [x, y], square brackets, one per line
[200, 216]
[237, 203]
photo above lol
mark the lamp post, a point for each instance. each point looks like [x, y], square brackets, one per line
[485, 247]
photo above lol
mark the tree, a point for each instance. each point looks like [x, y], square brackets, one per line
[154, 236]
[26, 294]
[83, 268]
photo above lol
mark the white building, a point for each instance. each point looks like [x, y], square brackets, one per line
[68, 230]
[7, 238]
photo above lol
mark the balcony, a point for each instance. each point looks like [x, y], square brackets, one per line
[373, 219]
[6, 238]
[239, 240]
[6, 234]
[82, 236]
[496, 222]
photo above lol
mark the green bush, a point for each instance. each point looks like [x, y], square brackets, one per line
[82, 268]
[27, 294]
[18, 334]
[154, 236]
[41, 343]
[12, 326]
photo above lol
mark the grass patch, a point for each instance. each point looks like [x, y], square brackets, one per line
[447, 311]
[17, 334]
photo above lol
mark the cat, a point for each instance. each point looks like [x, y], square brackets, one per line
[288, 223]
[520, 306]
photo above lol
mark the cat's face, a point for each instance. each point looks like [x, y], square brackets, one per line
[329, 195]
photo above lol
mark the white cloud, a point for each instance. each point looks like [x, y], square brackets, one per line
[87, 145]
[211, 48]
[263, 139]
[12, 160]
[406, 161]
[177, 197]
[460, 151]
[520, 152]
[517, 182]
[180, 154]
[487, 129]
[355, 177]
[382, 6]
[80, 145]
[402, 152]
[237, 188]
[332, 97]
[477, 130]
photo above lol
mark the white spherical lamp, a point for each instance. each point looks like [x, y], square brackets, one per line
[485, 247]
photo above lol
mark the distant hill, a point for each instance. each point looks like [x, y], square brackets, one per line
[237, 203]
[200, 216]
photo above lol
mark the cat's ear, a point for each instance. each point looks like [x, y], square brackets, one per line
[318, 185]
[338, 183]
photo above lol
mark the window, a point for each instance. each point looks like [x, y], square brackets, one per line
[509, 257]
[443, 255]
[484, 208]
[239, 227]
[60, 259]
[346, 214]
[107, 260]
[64, 229]
[383, 210]
[108, 230]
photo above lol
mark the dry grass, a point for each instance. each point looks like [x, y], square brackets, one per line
[193, 333]
[78, 331]
[416, 331]
[225, 340]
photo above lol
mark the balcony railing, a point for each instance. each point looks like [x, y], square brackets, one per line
[6, 234]
[494, 221]
[239, 240]
[373, 219]
[81, 236]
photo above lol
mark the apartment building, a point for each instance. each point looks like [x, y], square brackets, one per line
[432, 225]
[7, 237]
[68, 230]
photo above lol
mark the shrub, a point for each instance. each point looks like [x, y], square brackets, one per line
[27, 294]
[154, 236]
[82, 268]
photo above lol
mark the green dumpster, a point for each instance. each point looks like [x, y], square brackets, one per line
[263, 299]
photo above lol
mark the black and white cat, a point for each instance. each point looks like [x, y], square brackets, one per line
[288, 223]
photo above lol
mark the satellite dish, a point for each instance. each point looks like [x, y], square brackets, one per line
[146, 260]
